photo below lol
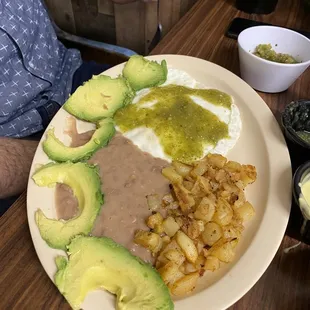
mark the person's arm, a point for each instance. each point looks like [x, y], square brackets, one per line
[15, 162]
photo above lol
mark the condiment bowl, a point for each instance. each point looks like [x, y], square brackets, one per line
[268, 76]
[296, 122]
[301, 175]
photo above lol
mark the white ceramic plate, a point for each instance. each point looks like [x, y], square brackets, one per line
[261, 144]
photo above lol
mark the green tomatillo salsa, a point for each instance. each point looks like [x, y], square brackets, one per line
[183, 127]
[265, 51]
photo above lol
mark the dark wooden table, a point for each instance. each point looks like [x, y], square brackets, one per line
[285, 284]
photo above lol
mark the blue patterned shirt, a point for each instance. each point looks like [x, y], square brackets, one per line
[35, 68]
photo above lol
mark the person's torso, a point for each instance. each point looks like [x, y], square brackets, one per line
[35, 67]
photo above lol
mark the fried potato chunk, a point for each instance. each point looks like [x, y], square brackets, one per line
[185, 284]
[149, 240]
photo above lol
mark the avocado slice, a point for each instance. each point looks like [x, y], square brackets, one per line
[99, 262]
[85, 182]
[98, 98]
[142, 73]
[59, 152]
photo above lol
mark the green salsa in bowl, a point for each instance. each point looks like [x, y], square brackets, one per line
[272, 58]
[266, 52]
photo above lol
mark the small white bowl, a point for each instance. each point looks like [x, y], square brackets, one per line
[268, 76]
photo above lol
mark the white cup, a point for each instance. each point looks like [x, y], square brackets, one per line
[268, 76]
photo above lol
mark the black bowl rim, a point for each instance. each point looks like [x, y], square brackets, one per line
[289, 133]
[298, 175]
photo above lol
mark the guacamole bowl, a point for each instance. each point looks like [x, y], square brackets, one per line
[271, 76]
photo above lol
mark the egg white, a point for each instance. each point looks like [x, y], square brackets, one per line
[146, 139]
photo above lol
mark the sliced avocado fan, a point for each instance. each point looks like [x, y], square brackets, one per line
[85, 183]
[96, 263]
[98, 98]
[59, 152]
[142, 73]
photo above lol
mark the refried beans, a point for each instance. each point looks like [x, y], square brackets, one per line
[128, 175]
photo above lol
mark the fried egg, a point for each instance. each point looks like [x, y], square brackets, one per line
[146, 139]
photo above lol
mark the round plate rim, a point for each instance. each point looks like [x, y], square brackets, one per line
[281, 213]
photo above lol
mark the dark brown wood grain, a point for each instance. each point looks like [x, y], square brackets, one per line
[285, 284]
[92, 24]
[131, 24]
[23, 282]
